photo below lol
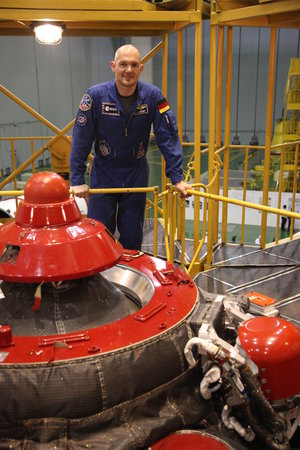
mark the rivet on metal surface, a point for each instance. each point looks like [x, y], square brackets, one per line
[94, 349]
[162, 326]
[169, 293]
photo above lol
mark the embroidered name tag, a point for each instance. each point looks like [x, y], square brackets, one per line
[110, 109]
[141, 109]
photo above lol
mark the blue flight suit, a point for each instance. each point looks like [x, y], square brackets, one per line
[120, 145]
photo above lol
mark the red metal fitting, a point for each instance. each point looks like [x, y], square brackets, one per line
[5, 336]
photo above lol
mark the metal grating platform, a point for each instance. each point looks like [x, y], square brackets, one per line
[273, 271]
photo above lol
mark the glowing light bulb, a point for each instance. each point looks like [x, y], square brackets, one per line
[48, 34]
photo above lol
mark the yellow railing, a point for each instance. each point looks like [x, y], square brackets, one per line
[244, 204]
[169, 218]
[174, 223]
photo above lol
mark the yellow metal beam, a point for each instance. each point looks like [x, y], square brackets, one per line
[121, 31]
[64, 15]
[91, 25]
[107, 25]
[102, 29]
[155, 225]
[227, 130]
[165, 92]
[152, 52]
[220, 61]
[180, 221]
[197, 128]
[105, 5]
[270, 98]
[280, 21]
[225, 5]
[244, 193]
[212, 129]
[284, 18]
[279, 7]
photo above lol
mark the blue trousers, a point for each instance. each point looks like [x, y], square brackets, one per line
[124, 211]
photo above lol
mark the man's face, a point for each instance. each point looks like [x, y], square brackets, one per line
[127, 67]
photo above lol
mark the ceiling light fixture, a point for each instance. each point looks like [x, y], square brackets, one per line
[48, 34]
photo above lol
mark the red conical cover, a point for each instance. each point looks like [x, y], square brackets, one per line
[49, 240]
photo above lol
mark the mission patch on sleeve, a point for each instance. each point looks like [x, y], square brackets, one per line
[86, 103]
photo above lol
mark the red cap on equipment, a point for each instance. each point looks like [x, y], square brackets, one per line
[49, 240]
[273, 344]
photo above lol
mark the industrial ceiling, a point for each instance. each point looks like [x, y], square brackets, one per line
[141, 17]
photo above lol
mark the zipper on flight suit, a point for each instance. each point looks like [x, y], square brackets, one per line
[126, 126]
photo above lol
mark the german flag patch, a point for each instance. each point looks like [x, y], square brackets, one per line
[163, 106]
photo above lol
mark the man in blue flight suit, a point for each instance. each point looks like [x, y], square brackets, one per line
[117, 116]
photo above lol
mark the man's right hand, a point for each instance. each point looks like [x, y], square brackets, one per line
[81, 191]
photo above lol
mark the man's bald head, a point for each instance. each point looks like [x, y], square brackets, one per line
[127, 50]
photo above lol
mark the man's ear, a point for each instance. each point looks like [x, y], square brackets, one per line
[113, 66]
[141, 68]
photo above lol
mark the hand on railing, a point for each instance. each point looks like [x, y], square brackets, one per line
[81, 191]
[182, 187]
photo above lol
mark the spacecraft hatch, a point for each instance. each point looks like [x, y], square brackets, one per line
[108, 348]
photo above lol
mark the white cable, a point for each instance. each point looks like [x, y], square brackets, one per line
[204, 347]
[231, 423]
[293, 428]
[212, 376]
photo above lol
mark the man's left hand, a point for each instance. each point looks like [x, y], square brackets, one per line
[182, 187]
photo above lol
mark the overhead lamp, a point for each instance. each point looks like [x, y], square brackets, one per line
[48, 33]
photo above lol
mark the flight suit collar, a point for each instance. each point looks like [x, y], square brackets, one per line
[139, 99]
